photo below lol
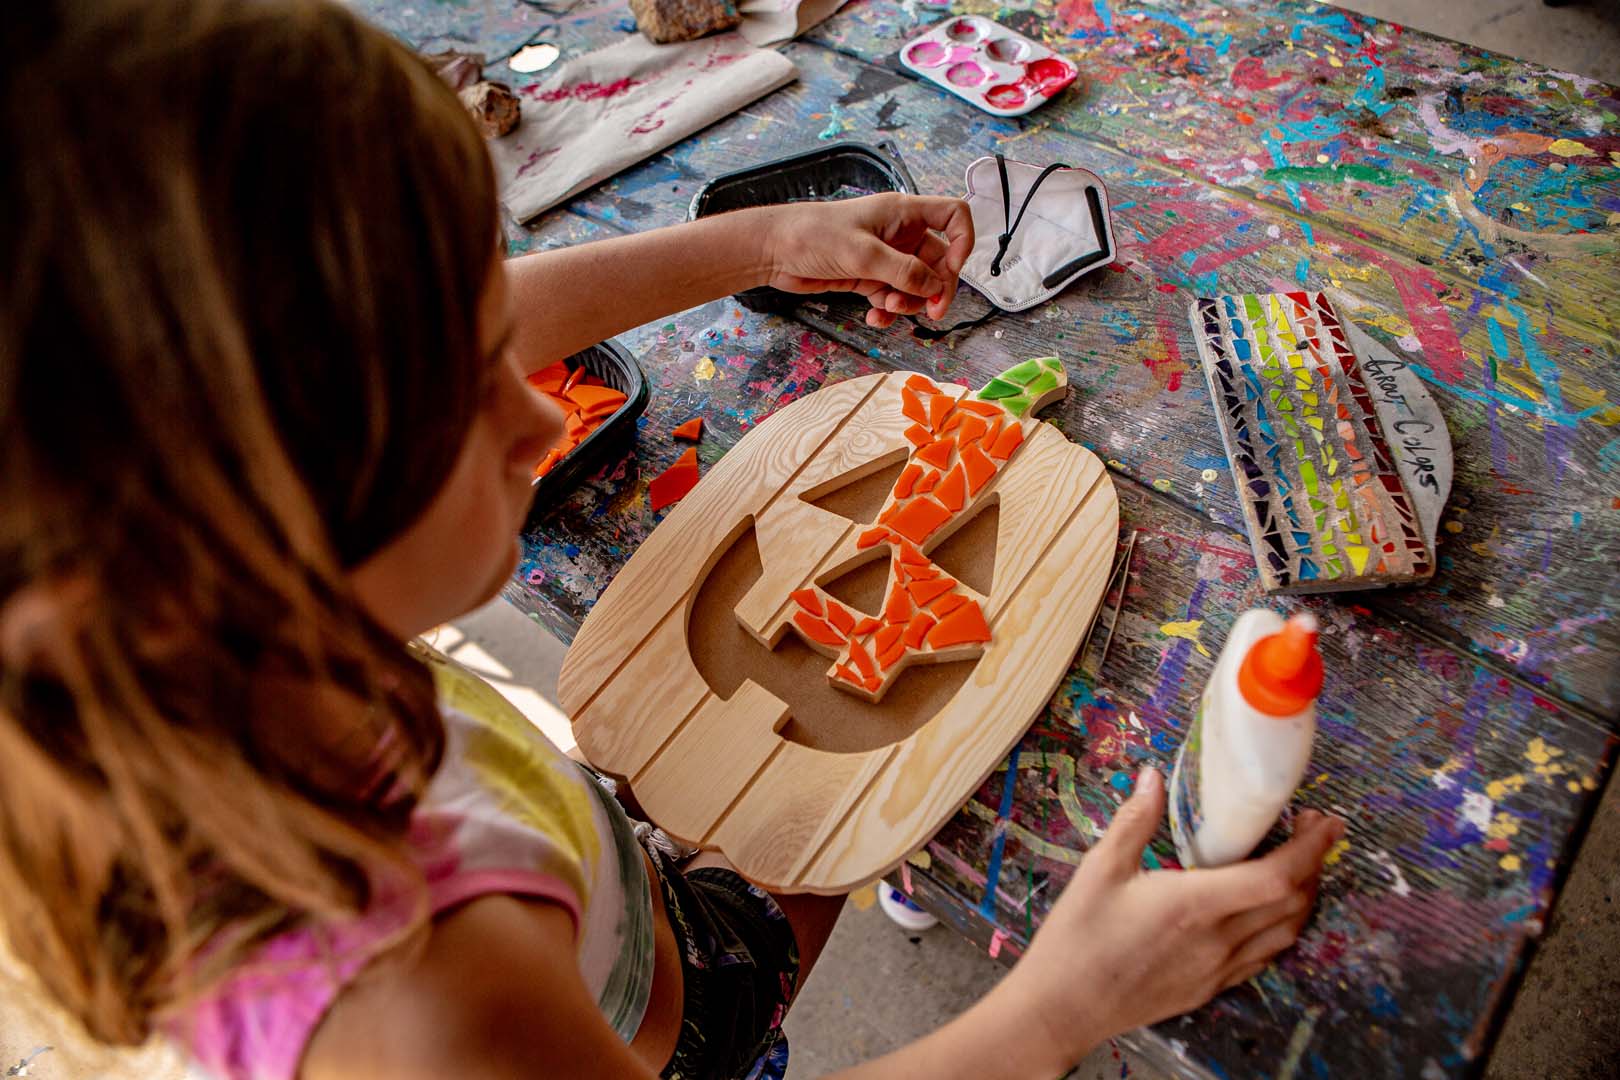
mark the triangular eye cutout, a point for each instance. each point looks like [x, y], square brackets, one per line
[859, 499]
[969, 553]
[863, 588]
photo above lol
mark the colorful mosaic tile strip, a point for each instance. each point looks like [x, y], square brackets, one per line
[1326, 505]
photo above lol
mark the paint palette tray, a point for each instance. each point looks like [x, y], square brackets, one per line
[988, 66]
[1341, 458]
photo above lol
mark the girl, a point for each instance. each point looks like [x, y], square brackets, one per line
[264, 421]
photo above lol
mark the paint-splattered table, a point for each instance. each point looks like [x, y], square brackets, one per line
[1467, 207]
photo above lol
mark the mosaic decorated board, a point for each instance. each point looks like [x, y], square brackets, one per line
[828, 645]
[1341, 459]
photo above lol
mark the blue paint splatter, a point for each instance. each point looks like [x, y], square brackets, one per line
[992, 873]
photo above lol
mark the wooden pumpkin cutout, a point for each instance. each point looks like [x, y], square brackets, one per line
[727, 675]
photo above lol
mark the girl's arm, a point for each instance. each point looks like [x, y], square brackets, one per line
[902, 252]
[496, 994]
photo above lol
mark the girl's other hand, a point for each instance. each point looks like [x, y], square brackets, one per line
[902, 252]
[1124, 947]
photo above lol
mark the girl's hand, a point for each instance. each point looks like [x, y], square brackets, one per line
[1125, 947]
[885, 247]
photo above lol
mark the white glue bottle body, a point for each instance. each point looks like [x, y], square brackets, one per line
[1250, 741]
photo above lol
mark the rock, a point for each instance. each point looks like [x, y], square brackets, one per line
[683, 20]
[493, 106]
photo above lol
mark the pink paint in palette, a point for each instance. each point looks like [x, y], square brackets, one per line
[988, 65]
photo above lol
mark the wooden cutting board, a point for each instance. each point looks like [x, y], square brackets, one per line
[717, 674]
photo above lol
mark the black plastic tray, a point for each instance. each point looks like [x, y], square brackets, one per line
[614, 437]
[814, 174]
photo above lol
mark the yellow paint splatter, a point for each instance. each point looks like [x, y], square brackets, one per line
[704, 371]
[1454, 527]
[920, 859]
[1188, 631]
[1502, 826]
[1497, 790]
[1162, 484]
[1208, 475]
[1509, 862]
[1336, 853]
[1537, 752]
[863, 897]
[1569, 148]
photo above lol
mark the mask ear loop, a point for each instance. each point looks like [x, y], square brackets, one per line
[926, 333]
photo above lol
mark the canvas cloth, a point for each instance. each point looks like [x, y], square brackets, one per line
[604, 111]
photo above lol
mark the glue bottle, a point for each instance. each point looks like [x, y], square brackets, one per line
[1250, 742]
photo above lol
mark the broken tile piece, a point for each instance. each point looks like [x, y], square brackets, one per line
[875, 535]
[952, 491]
[917, 630]
[672, 485]
[912, 406]
[898, 609]
[937, 454]
[692, 430]
[816, 629]
[979, 468]
[863, 660]
[964, 625]
[1009, 439]
[923, 592]
[907, 480]
[919, 518]
[808, 599]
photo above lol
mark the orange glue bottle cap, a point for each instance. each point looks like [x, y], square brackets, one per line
[1282, 672]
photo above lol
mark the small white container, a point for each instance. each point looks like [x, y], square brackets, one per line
[987, 65]
[1250, 741]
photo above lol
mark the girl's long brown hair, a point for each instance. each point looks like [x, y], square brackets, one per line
[244, 244]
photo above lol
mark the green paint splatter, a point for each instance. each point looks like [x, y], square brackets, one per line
[1302, 173]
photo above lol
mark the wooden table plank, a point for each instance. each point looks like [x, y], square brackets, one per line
[1499, 171]
[1532, 419]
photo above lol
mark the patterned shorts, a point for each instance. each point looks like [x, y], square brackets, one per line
[740, 965]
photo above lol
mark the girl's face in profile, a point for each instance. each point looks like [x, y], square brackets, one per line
[465, 545]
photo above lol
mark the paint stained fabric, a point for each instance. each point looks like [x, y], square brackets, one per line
[602, 112]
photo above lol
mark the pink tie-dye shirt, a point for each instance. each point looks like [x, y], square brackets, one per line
[507, 812]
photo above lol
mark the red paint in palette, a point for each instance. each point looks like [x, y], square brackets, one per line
[1050, 74]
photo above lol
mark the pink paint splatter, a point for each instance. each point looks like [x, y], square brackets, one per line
[1168, 368]
[650, 121]
[1079, 15]
[1250, 74]
[536, 158]
[1420, 292]
[585, 91]
[1182, 238]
